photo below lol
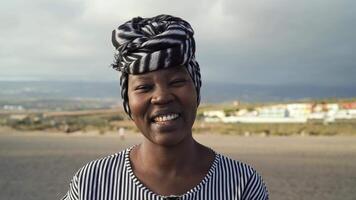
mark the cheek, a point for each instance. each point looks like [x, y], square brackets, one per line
[189, 99]
[136, 106]
[192, 94]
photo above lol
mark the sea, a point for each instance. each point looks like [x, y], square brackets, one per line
[212, 92]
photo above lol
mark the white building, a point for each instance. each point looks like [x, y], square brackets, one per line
[278, 111]
[213, 115]
[299, 109]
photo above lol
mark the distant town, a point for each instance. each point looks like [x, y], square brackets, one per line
[285, 113]
[275, 113]
[314, 117]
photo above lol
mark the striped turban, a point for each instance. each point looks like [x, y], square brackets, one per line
[148, 44]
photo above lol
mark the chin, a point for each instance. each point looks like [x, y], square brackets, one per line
[169, 139]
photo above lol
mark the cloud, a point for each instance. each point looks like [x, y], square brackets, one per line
[281, 42]
[259, 42]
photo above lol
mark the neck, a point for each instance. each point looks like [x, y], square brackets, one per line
[168, 159]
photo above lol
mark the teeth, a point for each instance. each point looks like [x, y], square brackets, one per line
[163, 118]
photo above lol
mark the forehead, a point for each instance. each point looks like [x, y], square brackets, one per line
[161, 73]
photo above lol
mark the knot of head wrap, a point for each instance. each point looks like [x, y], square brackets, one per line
[148, 44]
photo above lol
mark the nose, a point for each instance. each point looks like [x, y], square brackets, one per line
[162, 95]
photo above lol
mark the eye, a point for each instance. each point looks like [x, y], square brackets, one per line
[143, 88]
[178, 82]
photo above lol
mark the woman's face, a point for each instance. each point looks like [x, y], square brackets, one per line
[163, 105]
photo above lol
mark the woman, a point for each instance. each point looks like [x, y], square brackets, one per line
[160, 87]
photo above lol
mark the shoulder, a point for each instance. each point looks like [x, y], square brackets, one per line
[97, 172]
[102, 166]
[234, 166]
[248, 181]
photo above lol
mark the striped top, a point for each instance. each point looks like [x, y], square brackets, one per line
[112, 178]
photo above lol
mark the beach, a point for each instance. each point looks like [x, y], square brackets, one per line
[39, 165]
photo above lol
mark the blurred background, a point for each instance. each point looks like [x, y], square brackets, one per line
[279, 90]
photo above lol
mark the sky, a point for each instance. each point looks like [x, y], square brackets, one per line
[261, 42]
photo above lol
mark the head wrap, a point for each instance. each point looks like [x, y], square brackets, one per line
[148, 44]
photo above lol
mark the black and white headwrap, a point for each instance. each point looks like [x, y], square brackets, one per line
[148, 44]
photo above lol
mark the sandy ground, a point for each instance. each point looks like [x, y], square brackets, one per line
[39, 166]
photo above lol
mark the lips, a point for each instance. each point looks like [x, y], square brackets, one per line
[160, 118]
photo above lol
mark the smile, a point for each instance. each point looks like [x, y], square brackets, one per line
[166, 117]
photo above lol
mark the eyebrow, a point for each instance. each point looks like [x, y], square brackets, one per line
[177, 70]
[140, 77]
[144, 77]
[178, 73]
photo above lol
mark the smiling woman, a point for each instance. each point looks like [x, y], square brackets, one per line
[160, 86]
[163, 105]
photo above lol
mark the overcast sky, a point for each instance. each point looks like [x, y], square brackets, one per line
[238, 41]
